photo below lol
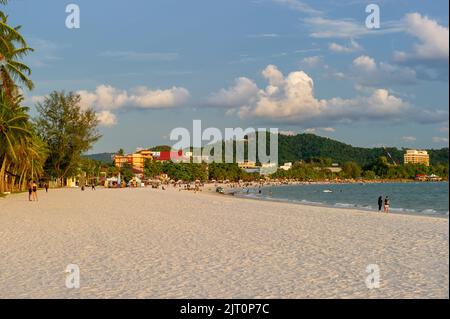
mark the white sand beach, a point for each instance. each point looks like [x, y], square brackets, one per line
[147, 243]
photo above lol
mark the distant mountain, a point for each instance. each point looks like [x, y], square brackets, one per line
[309, 146]
[105, 158]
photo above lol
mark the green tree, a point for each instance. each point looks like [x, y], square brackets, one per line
[22, 153]
[12, 48]
[369, 174]
[152, 168]
[126, 172]
[351, 170]
[68, 130]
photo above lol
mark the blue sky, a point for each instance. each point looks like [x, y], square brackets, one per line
[147, 67]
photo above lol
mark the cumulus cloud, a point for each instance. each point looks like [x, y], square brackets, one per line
[110, 98]
[105, 99]
[365, 63]
[107, 118]
[291, 99]
[338, 48]
[366, 71]
[240, 93]
[433, 39]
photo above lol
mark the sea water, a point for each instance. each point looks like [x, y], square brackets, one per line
[414, 198]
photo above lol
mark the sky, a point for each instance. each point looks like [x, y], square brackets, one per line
[147, 67]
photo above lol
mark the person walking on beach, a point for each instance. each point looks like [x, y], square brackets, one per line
[34, 190]
[46, 187]
[380, 203]
[30, 189]
[93, 186]
[386, 204]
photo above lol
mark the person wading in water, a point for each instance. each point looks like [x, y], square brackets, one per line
[386, 205]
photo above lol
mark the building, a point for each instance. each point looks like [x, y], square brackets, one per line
[247, 165]
[136, 160]
[417, 157]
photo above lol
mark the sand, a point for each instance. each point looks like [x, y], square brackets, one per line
[147, 243]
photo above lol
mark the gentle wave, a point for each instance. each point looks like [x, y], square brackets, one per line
[429, 211]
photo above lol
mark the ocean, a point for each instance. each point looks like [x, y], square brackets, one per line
[413, 198]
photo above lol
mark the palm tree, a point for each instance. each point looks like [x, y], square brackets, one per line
[13, 72]
[12, 48]
[22, 152]
[13, 131]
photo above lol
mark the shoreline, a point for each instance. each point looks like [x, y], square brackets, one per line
[238, 192]
[312, 204]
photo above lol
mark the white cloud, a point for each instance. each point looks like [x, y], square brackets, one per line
[328, 129]
[433, 39]
[352, 47]
[365, 63]
[409, 139]
[240, 93]
[298, 6]
[291, 99]
[106, 118]
[366, 71]
[106, 97]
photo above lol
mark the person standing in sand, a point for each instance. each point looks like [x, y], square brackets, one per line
[386, 204]
[34, 190]
[30, 189]
[46, 187]
[380, 203]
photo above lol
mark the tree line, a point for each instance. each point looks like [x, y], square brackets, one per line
[48, 147]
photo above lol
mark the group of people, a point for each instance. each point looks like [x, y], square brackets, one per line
[385, 203]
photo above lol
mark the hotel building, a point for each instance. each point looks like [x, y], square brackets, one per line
[417, 157]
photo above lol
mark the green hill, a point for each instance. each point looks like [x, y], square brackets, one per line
[105, 158]
[309, 146]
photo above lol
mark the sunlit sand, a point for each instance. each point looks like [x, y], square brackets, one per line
[147, 243]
